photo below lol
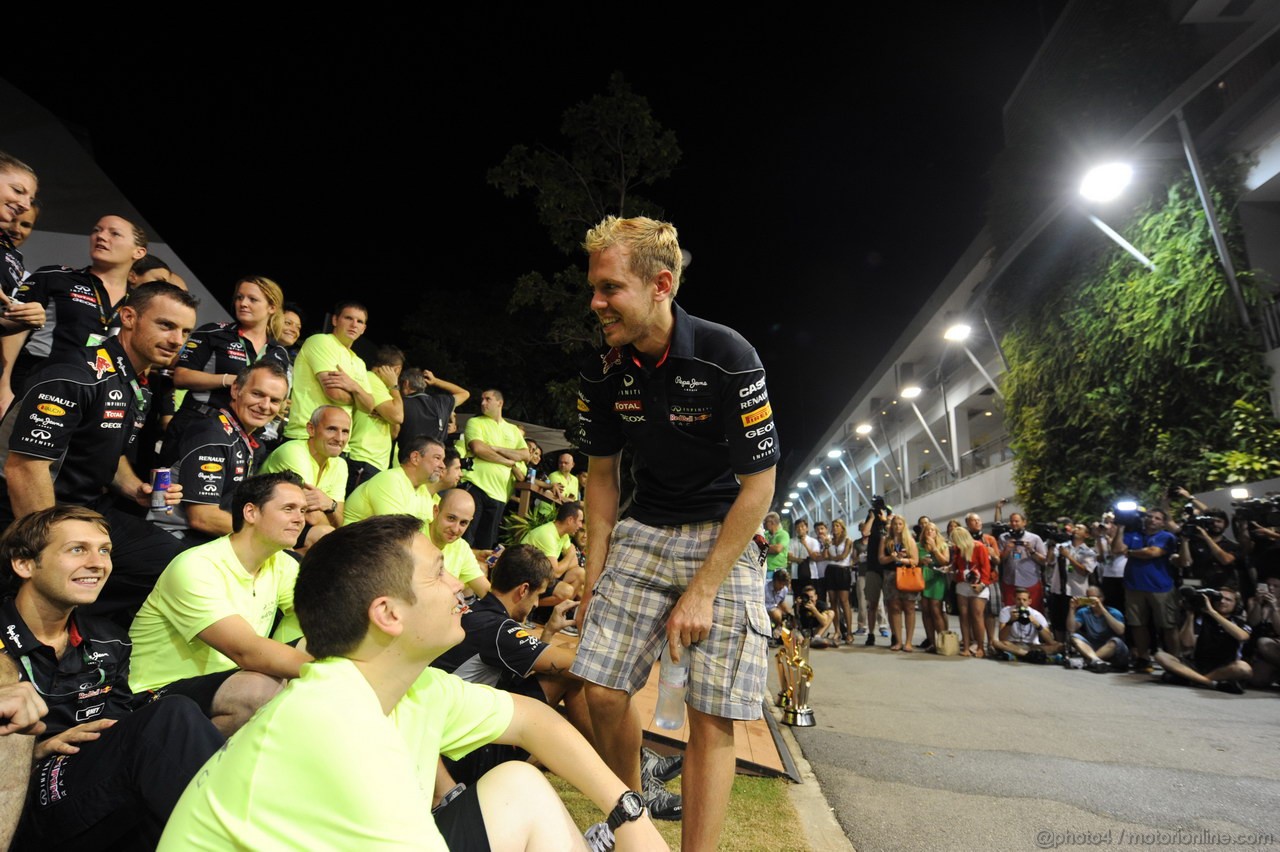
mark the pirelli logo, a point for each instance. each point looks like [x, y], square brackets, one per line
[759, 415]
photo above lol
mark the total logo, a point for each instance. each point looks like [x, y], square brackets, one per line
[763, 430]
[752, 389]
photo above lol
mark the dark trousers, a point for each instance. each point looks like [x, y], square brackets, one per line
[117, 792]
[487, 523]
[358, 472]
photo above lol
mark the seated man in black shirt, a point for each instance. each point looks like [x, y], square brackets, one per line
[500, 650]
[816, 618]
[217, 450]
[72, 437]
[1218, 634]
[106, 766]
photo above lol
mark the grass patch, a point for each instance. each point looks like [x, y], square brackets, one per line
[760, 818]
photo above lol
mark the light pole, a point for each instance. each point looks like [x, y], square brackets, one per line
[1105, 183]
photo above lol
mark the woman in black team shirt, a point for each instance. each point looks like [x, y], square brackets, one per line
[83, 305]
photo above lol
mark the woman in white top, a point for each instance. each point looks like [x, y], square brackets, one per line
[839, 552]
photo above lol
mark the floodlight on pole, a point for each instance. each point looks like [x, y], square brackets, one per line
[788, 504]
[786, 511]
[794, 495]
[863, 429]
[1239, 493]
[957, 333]
[834, 454]
[1106, 182]
[815, 471]
[802, 484]
[910, 391]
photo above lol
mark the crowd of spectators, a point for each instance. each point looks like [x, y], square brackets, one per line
[159, 483]
[1134, 591]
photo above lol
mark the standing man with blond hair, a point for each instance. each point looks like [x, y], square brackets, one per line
[689, 398]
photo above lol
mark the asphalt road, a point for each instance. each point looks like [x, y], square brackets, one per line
[915, 751]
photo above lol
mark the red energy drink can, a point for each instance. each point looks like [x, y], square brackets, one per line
[160, 479]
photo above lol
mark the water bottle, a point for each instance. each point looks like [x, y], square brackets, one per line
[673, 683]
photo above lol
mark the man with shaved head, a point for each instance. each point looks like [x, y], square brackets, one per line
[453, 516]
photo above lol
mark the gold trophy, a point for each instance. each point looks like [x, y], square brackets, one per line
[795, 674]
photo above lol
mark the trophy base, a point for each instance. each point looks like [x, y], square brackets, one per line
[783, 700]
[799, 717]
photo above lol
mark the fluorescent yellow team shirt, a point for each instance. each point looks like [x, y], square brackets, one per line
[461, 562]
[319, 354]
[320, 767]
[370, 434]
[545, 538]
[199, 588]
[569, 482]
[390, 493]
[295, 456]
[490, 477]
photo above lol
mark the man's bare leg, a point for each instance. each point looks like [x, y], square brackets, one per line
[618, 733]
[708, 780]
[522, 812]
[239, 697]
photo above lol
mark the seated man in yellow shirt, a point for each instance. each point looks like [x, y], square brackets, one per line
[453, 516]
[403, 490]
[317, 459]
[203, 631]
[343, 757]
[564, 477]
[554, 538]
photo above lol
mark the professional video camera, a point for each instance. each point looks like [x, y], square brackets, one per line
[1198, 600]
[1192, 518]
[1265, 511]
[1051, 532]
[1130, 516]
[998, 530]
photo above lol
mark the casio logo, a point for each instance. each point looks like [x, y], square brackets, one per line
[763, 430]
[750, 390]
[765, 444]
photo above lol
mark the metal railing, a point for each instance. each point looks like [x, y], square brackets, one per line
[976, 460]
[1269, 318]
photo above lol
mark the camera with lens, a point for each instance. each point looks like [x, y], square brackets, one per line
[998, 530]
[878, 504]
[971, 576]
[1048, 532]
[1198, 600]
[1191, 519]
[1264, 511]
[1022, 615]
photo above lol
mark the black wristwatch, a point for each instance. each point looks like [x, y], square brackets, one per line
[630, 808]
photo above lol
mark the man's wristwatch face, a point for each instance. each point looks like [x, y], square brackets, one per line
[630, 807]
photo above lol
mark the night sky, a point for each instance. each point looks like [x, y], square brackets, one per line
[833, 169]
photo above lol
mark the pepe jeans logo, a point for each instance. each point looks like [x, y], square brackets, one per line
[690, 384]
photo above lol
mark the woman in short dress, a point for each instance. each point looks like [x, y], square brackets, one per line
[935, 559]
[839, 552]
[898, 548]
[971, 568]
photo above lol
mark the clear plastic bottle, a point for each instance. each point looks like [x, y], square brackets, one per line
[673, 684]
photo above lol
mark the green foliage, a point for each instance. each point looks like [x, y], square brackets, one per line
[615, 146]
[1121, 379]
[1255, 438]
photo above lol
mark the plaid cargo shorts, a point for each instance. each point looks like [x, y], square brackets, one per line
[645, 572]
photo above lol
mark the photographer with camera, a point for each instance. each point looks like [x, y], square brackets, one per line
[1264, 623]
[816, 618]
[1022, 557]
[1218, 634]
[875, 584]
[1024, 632]
[1150, 599]
[1097, 631]
[1204, 551]
[1074, 562]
